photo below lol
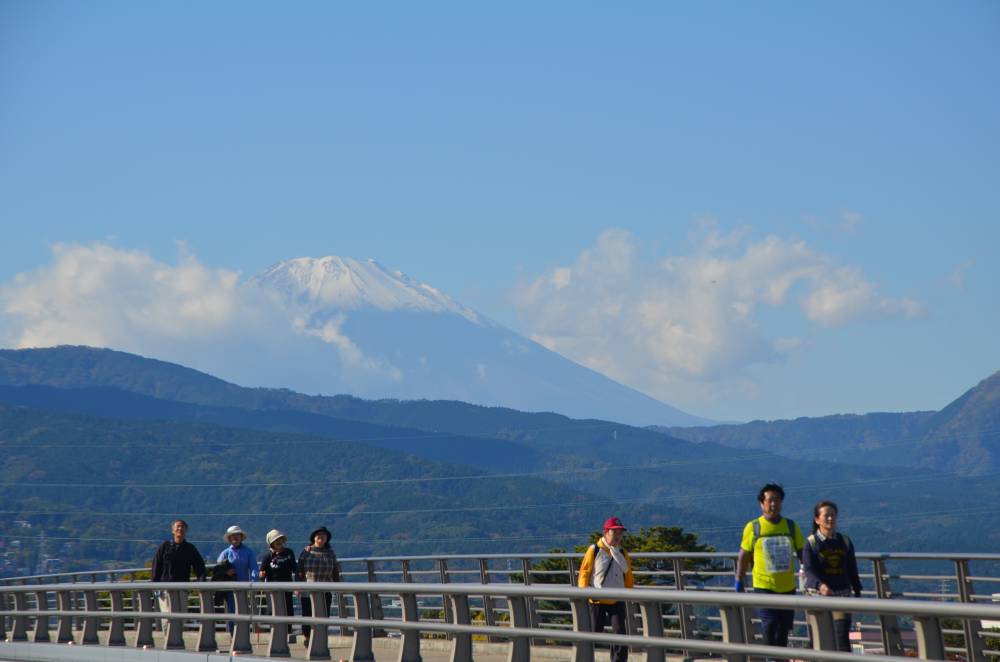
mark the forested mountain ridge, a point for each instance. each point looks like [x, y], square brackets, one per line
[963, 437]
[515, 478]
[111, 487]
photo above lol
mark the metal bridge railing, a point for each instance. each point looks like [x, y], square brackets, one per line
[736, 643]
[957, 578]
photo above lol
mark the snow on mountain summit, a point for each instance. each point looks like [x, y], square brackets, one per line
[346, 283]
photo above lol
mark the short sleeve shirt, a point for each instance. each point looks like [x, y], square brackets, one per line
[773, 554]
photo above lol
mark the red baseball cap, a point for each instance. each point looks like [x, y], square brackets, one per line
[614, 523]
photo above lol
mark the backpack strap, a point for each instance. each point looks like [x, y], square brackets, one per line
[812, 542]
[756, 532]
[597, 550]
[791, 530]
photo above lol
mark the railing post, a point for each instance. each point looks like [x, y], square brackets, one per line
[973, 644]
[361, 649]
[116, 629]
[241, 629]
[376, 599]
[733, 630]
[3, 616]
[72, 598]
[278, 643]
[90, 623]
[821, 627]
[520, 647]
[409, 651]
[174, 639]
[930, 641]
[572, 570]
[529, 602]
[684, 613]
[652, 627]
[206, 627]
[630, 624]
[64, 627]
[144, 624]
[488, 614]
[341, 612]
[20, 632]
[892, 641]
[318, 644]
[583, 651]
[42, 618]
[445, 602]
[461, 643]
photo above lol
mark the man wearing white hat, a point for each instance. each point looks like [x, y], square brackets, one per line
[243, 562]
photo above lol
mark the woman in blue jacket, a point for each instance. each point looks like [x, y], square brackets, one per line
[243, 564]
[831, 567]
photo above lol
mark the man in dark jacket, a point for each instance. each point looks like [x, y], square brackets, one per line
[174, 562]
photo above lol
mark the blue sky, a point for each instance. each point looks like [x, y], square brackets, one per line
[481, 149]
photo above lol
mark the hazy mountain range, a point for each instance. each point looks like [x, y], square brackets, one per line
[103, 447]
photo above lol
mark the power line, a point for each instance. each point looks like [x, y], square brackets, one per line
[807, 488]
[416, 479]
[313, 438]
[550, 536]
[751, 455]
[305, 438]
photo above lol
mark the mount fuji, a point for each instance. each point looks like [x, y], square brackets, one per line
[396, 337]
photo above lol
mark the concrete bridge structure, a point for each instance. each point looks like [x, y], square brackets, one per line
[498, 607]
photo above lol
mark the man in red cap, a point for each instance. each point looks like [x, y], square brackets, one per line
[607, 565]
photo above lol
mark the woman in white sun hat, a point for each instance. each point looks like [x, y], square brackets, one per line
[243, 562]
[278, 564]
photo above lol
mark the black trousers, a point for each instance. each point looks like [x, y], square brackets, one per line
[842, 632]
[775, 624]
[613, 615]
[307, 609]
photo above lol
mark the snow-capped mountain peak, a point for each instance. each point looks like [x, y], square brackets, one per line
[346, 283]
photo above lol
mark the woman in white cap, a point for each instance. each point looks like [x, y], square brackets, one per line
[243, 562]
[278, 564]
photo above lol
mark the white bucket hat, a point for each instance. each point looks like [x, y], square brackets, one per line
[234, 529]
[273, 535]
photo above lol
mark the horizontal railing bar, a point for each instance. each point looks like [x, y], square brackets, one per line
[638, 594]
[721, 556]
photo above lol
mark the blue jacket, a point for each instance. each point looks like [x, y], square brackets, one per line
[244, 562]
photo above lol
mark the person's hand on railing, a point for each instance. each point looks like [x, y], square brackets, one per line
[738, 585]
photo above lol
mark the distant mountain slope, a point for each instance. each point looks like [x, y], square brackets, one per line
[706, 487]
[117, 484]
[435, 354]
[484, 452]
[963, 437]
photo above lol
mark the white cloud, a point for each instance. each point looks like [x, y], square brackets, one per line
[691, 318]
[331, 332]
[186, 312]
[956, 279]
[103, 296]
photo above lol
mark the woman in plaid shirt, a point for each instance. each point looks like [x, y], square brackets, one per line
[317, 563]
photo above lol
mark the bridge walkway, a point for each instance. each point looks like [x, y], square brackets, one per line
[384, 649]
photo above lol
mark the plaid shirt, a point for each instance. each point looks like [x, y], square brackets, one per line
[319, 564]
